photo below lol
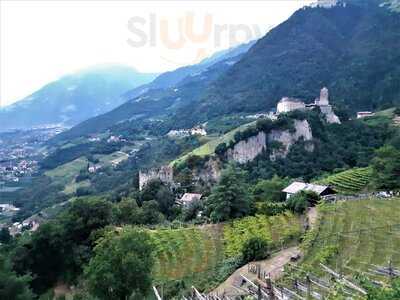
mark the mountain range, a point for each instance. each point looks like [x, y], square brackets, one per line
[351, 47]
[74, 98]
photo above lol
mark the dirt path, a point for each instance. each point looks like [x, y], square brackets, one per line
[273, 265]
[312, 216]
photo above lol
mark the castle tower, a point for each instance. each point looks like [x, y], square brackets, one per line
[323, 97]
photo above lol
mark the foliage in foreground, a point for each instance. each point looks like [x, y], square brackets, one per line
[121, 265]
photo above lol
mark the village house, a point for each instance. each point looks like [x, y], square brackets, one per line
[297, 186]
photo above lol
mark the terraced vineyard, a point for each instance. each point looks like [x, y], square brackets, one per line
[350, 181]
[183, 253]
[277, 230]
[189, 252]
[355, 235]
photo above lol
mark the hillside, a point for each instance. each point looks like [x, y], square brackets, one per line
[192, 253]
[351, 243]
[349, 182]
[344, 52]
[172, 78]
[162, 97]
[296, 58]
[74, 98]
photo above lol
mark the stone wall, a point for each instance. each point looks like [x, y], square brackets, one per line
[165, 174]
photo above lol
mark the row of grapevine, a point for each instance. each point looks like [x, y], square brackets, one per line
[350, 181]
[356, 235]
[186, 252]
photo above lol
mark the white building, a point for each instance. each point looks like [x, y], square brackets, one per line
[297, 186]
[189, 198]
[364, 114]
[287, 104]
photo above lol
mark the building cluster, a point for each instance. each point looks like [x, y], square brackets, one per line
[12, 171]
[198, 130]
[287, 104]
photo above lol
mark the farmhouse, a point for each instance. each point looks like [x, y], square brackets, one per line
[297, 186]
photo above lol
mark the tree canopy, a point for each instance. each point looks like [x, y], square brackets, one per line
[121, 265]
[229, 198]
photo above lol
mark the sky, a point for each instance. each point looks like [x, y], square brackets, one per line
[40, 41]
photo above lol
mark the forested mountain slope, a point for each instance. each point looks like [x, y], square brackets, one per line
[74, 98]
[351, 48]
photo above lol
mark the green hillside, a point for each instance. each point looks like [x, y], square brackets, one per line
[188, 253]
[352, 237]
[350, 181]
[209, 147]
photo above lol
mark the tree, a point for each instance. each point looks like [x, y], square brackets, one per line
[85, 216]
[150, 213]
[221, 149]
[255, 248]
[13, 286]
[229, 199]
[386, 168]
[270, 190]
[43, 256]
[157, 191]
[127, 212]
[5, 236]
[122, 264]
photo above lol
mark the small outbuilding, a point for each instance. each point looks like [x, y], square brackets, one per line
[297, 186]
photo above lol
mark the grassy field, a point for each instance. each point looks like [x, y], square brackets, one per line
[113, 158]
[209, 147]
[355, 235]
[65, 175]
[189, 252]
[350, 181]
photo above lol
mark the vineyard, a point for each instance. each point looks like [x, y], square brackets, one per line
[188, 253]
[277, 230]
[350, 181]
[357, 235]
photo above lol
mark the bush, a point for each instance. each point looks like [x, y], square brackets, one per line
[254, 248]
[299, 202]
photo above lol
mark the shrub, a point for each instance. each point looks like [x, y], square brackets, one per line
[299, 202]
[254, 248]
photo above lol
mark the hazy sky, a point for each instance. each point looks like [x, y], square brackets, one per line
[43, 40]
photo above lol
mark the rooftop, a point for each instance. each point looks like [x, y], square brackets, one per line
[298, 186]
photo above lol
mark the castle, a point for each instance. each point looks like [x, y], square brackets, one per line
[287, 104]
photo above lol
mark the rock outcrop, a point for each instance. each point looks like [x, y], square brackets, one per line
[210, 173]
[247, 150]
[287, 138]
[165, 174]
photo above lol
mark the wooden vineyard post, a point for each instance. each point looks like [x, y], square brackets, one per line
[308, 283]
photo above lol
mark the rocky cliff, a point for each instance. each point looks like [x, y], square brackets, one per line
[247, 150]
